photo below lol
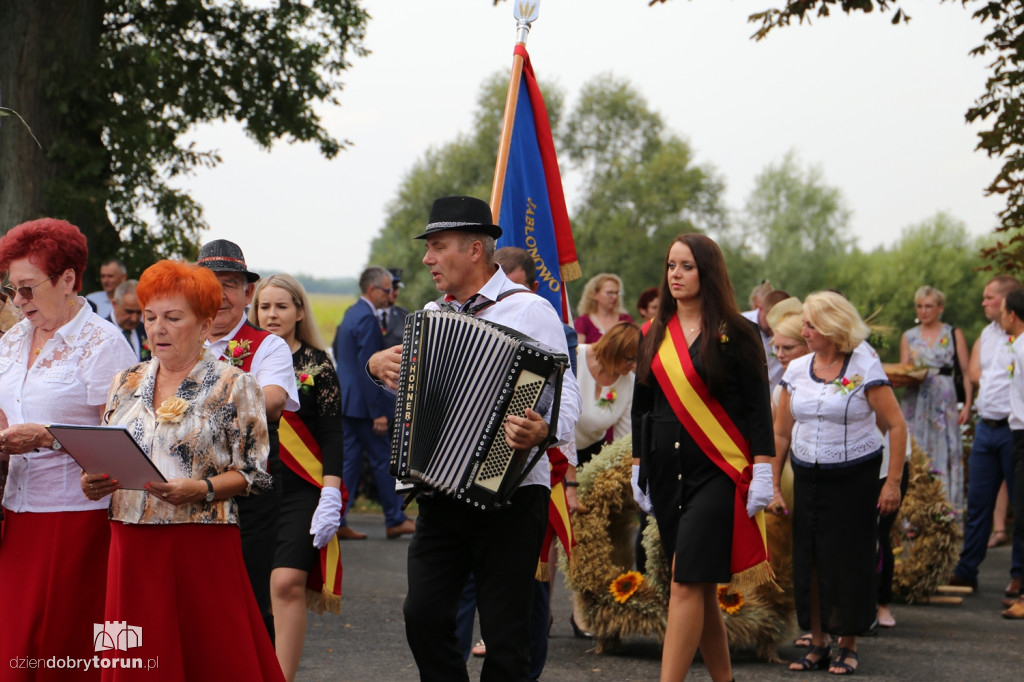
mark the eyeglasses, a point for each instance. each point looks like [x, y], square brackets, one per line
[25, 292]
[386, 291]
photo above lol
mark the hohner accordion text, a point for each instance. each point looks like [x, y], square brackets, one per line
[460, 379]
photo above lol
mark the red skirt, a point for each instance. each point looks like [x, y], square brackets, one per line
[53, 572]
[180, 607]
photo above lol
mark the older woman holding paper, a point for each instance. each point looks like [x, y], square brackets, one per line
[55, 367]
[175, 566]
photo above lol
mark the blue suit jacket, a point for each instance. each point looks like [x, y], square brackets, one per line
[358, 337]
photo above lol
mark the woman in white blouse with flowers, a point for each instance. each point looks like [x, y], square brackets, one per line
[606, 385]
[826, 420]
[55, 368]
[175, 565]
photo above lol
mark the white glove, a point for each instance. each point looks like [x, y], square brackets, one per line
[642, 497]
[327, 517]
[760, 493]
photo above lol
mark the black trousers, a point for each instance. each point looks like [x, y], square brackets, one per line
[1017, 464]
[257, 520]
[501, 548]
[887, 560]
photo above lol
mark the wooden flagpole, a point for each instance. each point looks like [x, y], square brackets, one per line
[525, 13]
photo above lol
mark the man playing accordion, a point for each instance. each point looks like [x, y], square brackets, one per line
[452, 538]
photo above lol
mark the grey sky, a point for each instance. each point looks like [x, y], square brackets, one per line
[879, 108]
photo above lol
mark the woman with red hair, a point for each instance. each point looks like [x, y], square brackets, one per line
[55, 367]
[175, 564]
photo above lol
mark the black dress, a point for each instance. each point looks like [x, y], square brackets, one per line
[320, 410]
[693, 499]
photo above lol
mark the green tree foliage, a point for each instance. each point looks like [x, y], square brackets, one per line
[463, 166]
[938, 252]
[641, 187]
[112, 91]
[793, 219]
[999, 105]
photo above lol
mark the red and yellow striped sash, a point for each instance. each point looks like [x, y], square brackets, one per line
[706, 421]
[301, 453]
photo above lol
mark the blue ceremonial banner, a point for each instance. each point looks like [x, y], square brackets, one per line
[533, 213]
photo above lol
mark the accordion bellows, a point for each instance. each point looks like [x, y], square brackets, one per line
[460, 378]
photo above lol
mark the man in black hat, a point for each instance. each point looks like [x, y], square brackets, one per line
[393, 316]
[500, 547]
[267, 357]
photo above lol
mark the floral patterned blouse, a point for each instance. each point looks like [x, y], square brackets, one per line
[219, 424]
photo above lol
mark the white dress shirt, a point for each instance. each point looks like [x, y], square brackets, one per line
[996, 357]
[271, 363]
[532, 315]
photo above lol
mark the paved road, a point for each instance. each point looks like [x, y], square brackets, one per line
[934, 643]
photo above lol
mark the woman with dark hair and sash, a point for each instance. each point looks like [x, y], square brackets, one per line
[307, 559]
[702, 445]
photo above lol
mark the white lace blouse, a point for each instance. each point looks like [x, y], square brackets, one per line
[67, 384]
[834, 425]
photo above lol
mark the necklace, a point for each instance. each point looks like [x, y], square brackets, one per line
[829, 365]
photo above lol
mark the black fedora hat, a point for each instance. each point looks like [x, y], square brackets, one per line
[220, 255]
[466, 214]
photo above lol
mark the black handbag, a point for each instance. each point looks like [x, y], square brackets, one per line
[958, 375]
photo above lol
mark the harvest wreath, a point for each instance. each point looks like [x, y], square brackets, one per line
[619, 602]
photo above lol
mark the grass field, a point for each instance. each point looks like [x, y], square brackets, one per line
[328, 309]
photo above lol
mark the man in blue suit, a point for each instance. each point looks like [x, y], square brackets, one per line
[365, 406]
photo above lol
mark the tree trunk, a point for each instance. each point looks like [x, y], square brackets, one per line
[48, 59]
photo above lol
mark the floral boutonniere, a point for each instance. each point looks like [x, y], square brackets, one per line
[608, 399]
[944, 341]
[145, 352]
[1009, 340]
[722, 336]
[237, 351]
[1009, 369]
[171, 411]
[304, 377]
[846, 385]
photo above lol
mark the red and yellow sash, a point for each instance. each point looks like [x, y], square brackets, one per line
[301, 453]
[706, 421]
[559, 521]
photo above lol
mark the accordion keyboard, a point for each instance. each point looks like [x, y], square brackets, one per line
[492, 470]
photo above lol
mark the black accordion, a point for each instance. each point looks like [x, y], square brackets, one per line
[460, 379]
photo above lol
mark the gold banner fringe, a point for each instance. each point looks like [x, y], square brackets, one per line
[571, 271]
[318, 602]
[752, 578]
[543, 573]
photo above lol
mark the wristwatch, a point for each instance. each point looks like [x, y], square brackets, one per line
[56, 444]
[209, 488]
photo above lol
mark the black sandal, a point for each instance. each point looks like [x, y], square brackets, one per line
[840, 662]
[807, 663]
